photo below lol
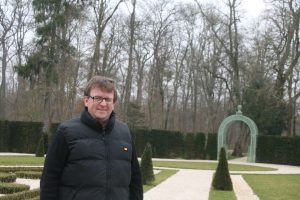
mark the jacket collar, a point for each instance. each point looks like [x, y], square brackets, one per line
[87, 119]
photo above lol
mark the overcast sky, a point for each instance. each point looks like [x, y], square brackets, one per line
[254, 7]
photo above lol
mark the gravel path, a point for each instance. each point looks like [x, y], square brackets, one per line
[33, 183]
[184, 185]
[241, 188]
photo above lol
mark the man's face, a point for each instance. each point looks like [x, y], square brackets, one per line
[100, 104]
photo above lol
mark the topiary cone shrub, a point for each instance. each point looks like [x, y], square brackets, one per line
[222, 180]
[146, 165]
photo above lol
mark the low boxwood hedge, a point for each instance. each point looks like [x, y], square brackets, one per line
[15, 169]
[9, 188]
[25, 195]
[7, 177]
[29, 174]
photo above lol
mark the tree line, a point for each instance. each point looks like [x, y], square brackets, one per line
[179, 66]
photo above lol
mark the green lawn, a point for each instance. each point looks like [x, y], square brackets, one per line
[21, 160]
[32, 160]
[208, 166]
[275, 186]
[160, 177]
[221, 195]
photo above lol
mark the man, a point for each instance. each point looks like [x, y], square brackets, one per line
[93, 157]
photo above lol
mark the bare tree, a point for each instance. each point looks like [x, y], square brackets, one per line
[7, 20]
[226, 31]
[160, 45]
[103, 14]
[129, 75]
[24, 23]
[284, 20]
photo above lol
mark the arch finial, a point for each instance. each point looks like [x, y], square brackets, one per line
[239, 112]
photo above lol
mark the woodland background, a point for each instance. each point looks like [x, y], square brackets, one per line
[180, 66]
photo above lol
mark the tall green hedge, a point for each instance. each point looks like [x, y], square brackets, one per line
[24, 137]
[211, 146]
[165, 144]
[279, 150]
[21, 136]
[4, 136]
[200, 151]
[189, 146]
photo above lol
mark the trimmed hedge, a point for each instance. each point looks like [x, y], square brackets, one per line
[36, 198]
[165, 144]
[189, 146]
[7, 177]
[147, 166]
[15, 169]
[23, 137]
[29, 174]
[9, 188]
[30, 194]
[211, 147]
[278, 150]
[222, 180]
[40, 151]
[4, 136]
[171, 144]
[200, 150]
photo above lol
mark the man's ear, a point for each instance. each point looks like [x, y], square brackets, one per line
[85, 100]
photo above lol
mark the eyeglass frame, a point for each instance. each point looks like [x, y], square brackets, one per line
[99, 99]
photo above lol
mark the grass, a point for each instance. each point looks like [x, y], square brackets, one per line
[208, 166]
[160, 177]
[32, 160]
[21, 160]
[221, 195]
[275, 186]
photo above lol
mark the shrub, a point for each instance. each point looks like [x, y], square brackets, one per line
[146, 165]
[221, 180]
[35, 198]
[9, 188]
[29, 194]
[15, 169]
[29, 174]
[8, 177]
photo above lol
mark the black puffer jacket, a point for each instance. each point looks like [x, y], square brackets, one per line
[87, 162]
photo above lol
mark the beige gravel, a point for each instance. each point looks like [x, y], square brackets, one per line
[241, 188]
[33, 183]
[184, 185]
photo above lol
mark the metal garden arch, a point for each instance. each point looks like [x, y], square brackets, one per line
[253, 131]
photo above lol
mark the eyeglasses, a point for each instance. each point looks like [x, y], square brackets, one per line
[99, 99]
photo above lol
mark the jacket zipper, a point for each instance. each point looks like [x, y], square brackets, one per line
[108, 171]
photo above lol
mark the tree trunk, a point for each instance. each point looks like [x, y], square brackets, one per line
[128, 81]
[3, 82]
